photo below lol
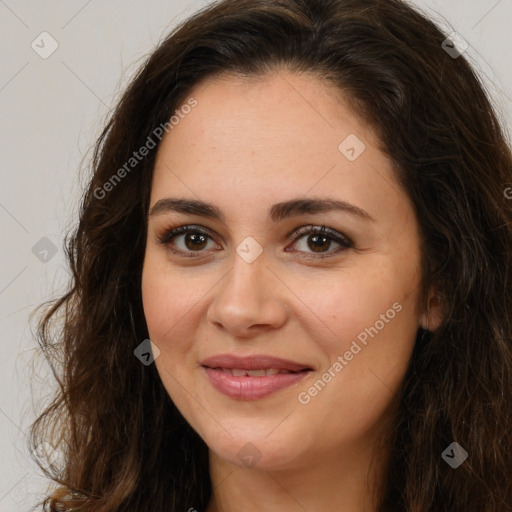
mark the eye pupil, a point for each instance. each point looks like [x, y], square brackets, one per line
[195, 241]
[318, 243]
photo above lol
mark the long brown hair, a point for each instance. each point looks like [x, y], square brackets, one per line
[125, 445]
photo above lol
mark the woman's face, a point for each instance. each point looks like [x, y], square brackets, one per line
[253, 165]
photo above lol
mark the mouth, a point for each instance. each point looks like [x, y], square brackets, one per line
[252, 377]
[242, 372]
[256, 362]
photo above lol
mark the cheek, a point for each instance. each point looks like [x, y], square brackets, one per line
[370, 321]
[170, 304]
[339, 307]
[168, 300]
[364, 371]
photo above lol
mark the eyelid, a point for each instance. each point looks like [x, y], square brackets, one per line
[312, 229]
[167, 235]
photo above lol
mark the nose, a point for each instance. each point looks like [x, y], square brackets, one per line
[248, 300]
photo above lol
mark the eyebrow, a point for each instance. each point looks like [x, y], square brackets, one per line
[277, 212]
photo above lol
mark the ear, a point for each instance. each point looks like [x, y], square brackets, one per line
[432, 315]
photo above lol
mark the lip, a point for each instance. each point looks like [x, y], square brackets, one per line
[255, 362]
[247, 387]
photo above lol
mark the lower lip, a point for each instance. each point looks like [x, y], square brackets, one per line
[251, 388]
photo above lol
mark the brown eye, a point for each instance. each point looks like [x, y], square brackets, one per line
[187, 240]
[318, 243]
[195, 241]
[321, 240]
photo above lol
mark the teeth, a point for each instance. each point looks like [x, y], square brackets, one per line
[256, 373]
[239, 372]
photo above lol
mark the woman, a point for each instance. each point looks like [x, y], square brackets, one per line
[302, 205]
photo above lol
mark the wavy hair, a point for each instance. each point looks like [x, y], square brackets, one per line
[125, 446]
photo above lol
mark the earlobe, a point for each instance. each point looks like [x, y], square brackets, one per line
[432, 315]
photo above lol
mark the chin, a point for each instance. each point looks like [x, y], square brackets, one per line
[254, 450]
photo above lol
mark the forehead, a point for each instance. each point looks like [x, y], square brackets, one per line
[269, 137]
[275, 111]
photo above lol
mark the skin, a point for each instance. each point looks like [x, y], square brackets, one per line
[248, 144]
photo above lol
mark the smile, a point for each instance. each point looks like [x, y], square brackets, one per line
[247, 386]
[252, 377]
[237, 372]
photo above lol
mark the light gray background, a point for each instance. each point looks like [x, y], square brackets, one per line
[51, 112]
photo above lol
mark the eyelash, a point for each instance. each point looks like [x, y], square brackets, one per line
[168, 236]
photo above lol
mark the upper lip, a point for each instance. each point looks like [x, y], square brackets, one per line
[255, 362]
